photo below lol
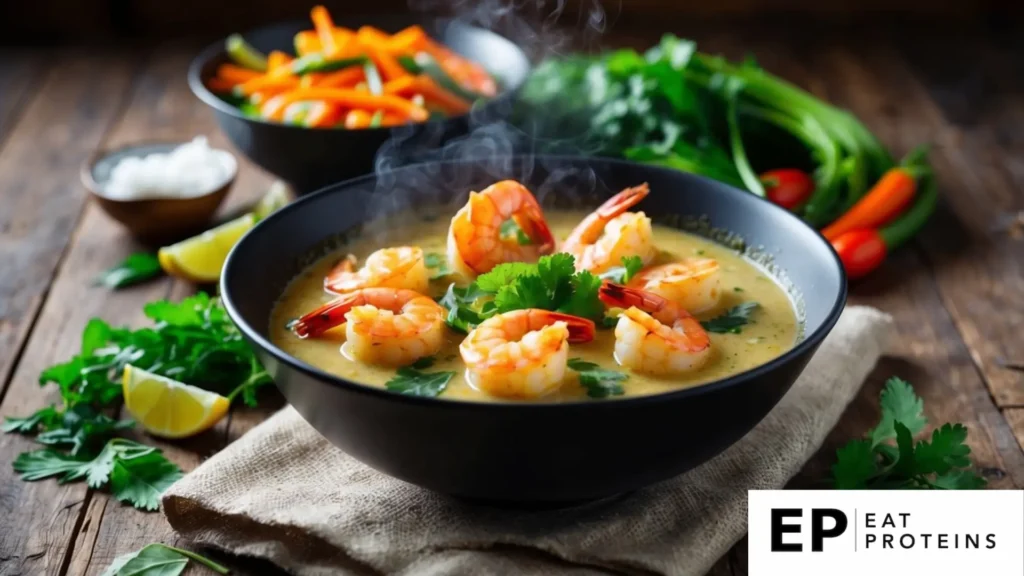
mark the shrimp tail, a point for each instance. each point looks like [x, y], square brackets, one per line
[580, 329]
[621, 296]
[324, 318]
[537, 230]
[623, 201]
[342, 272]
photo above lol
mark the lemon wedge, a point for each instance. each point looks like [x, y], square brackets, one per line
[278, 196]
[168, 408]
[201, 257]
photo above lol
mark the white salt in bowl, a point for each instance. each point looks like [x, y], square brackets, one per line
[160, 202]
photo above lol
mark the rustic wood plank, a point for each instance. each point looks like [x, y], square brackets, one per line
[1015, 417]
[928, 351]
[111, 529]
[42, 201]
[978, 254]
[20, 73]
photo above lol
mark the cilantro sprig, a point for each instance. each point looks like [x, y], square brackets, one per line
[631, 265]
[136, 268]
[551, 284]
[414, 382]
[136, 473]
[597, 381]
[192, 341]
[939, 462]
[733, 320]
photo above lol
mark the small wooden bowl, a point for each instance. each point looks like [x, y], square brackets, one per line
[158, 220]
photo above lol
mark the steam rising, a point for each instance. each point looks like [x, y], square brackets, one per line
[542, 29]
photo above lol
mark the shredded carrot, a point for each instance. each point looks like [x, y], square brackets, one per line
[406, 41]
[352, 99]
[324, 29]
[268, 82]
[886, 199]
[356, 119]
[236, 74]
[346, 78]
[277, 60]
[220, 85]
[307, 42]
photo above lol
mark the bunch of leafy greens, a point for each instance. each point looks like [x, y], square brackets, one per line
[551, 284]
[677, 107]
[158, 560]
[940, 462]
[192, 341]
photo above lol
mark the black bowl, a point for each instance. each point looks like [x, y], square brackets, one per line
[312, 158]
[517, 452]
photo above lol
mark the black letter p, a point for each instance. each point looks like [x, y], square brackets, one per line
[818, 532]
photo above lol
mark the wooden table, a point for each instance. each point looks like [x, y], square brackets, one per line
[956, 292]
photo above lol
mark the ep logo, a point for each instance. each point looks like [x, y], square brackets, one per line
[824, 523]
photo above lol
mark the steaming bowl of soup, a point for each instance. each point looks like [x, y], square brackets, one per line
[564, 447]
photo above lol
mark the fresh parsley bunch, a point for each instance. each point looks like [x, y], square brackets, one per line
[192, 341]
[874, 462]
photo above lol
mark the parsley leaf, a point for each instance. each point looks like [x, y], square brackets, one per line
[899, 404]
[503, 275]
[136, 473]
[631, 265]
[732, 321]
[136, 268]
[158, 560]
[411, 381]
[463, 314]
[941, 463]
[44, 417]
[598, 382]
[584, 300]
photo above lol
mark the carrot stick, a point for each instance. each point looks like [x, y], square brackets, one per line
[309, 80]
[324, 29]
[406, 41]
[220, 85]
[393, 120]
[321, 114]
[402, 85]
[467, 73]
[369, 34]
[451, 104]
[267, 82]
[889, 196]
[357, 119]
[352, 99]
[346, 78]
[307, 42]
[236, 74]
[389, 67]
[277, 60]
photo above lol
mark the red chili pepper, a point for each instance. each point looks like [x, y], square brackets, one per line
[863, 250]
[787, 187]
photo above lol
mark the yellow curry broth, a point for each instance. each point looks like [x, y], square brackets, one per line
[773, 329]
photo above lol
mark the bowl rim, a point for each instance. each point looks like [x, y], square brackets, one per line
[94, 188]
[215, 49]
[810, 341]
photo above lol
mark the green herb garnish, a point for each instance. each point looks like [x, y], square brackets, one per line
[136, 473]
[136, 268]
[597, 381]
[413, 382]
[874, 463]
[509, 229]
[437, 263]
[158, 560]
[631, 265]
[732, 321]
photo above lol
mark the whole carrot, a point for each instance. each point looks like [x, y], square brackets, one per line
[885, 201]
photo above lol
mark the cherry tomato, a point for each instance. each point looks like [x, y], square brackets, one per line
[787, 187]
[861, 251]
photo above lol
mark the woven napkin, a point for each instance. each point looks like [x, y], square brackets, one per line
[283, 493]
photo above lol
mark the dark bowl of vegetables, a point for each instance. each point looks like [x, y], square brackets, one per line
[540, 451]
[313, 103]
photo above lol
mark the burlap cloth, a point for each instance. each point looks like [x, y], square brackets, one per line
[283, 493]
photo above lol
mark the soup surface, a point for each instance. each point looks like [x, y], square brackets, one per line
[772, 330]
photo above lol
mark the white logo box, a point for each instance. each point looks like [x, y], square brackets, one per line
[903, 533]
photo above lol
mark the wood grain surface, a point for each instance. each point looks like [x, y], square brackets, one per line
[955, 293]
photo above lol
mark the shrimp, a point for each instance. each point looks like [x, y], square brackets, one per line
[401, 267]
[693, 283]
[610, 233]
[655, 335]
[392, 326]
[523, 353]
[475, 243]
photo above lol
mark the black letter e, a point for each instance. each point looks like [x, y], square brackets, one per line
[778, 529]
